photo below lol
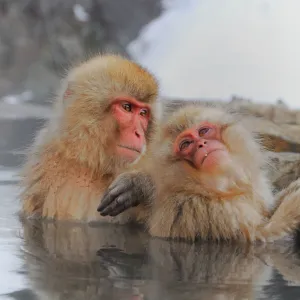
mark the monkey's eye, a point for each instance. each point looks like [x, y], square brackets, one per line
[127, 106]
[144, 112]
[203, 131]
[184, 144]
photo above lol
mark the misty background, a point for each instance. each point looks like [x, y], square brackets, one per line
[197, 48]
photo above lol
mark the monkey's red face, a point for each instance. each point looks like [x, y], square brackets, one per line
[133, 117]
[201, 146]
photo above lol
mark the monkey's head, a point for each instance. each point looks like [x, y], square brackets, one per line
[109, 109]
[208, 148]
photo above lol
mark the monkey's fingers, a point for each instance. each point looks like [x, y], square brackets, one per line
[110, 195]
[130, 202]
[121, 203]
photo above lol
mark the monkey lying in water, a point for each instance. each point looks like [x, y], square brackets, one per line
[203, 177]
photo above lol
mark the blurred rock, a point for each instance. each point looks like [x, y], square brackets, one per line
[40, 38]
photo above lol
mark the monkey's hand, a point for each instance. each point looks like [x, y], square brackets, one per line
[127, 190]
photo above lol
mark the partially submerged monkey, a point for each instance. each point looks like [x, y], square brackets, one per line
[103, 118]
[203, 177]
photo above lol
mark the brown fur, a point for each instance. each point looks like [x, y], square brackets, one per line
[278, 144]
[285, 217]
[235, 204]
[72, 160]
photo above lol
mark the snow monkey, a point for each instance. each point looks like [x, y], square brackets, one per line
[204, 176]
[103, 119]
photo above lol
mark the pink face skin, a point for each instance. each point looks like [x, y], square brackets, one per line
[201, 146]
[133, 118]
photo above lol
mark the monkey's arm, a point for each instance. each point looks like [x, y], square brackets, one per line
[286, 216]
[127, 190]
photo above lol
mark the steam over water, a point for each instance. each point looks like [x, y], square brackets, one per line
[215, 48]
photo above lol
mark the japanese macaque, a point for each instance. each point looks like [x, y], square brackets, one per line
[103, 119]
[204, 177]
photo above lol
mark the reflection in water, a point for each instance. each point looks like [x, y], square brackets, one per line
[62, 259]
[119, 262]
[207, 271]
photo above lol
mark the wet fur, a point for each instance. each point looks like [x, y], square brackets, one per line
[72, 160]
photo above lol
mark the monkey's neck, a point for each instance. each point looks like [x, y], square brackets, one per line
[231, 184]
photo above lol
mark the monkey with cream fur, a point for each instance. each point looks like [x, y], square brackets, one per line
[103, 117]
[203, 176]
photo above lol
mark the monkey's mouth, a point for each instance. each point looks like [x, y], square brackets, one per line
[130, 148]
[208, 153]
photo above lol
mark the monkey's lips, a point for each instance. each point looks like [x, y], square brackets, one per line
[211, 159]
[129, 152]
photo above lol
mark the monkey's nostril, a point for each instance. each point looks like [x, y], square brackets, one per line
[200, 146]
[137, 134]
[205, 143]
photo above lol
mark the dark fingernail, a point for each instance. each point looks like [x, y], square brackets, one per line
[105, 212]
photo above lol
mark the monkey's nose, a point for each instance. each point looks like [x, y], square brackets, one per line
[202, 144]
[137, 134]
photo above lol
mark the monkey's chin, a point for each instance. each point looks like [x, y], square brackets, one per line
[228, 180]
[128, 154]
